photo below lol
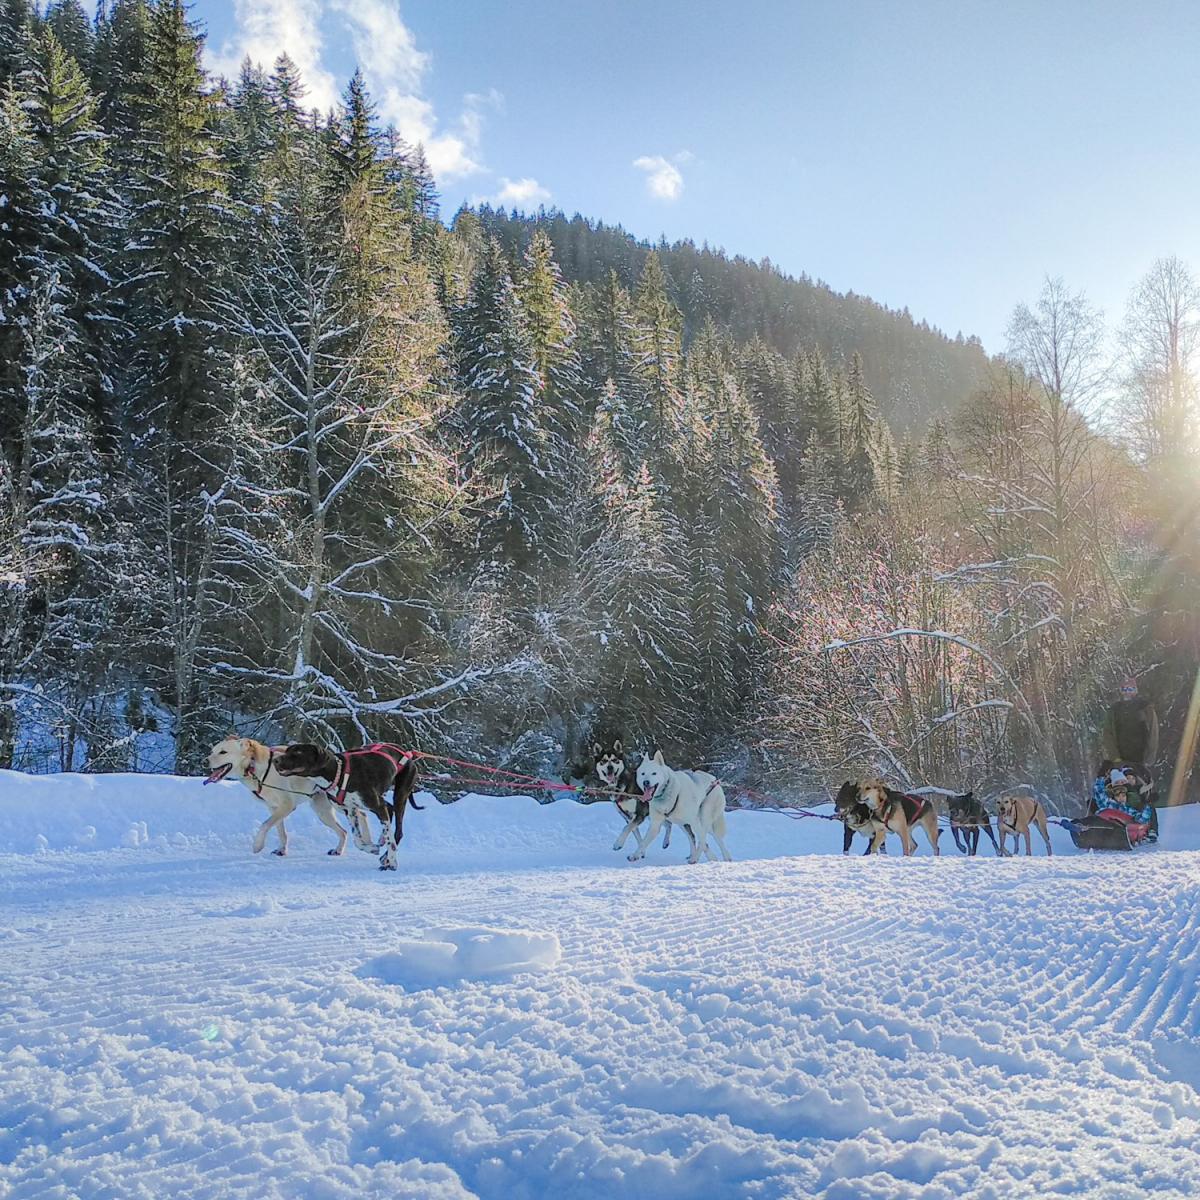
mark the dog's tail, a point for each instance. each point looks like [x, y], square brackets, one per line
[406, 781]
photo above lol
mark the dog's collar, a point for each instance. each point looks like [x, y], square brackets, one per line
[337, 789]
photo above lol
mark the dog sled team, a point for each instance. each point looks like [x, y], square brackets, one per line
[653, 796]
[1120, 810]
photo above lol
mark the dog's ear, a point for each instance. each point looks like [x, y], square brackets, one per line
[617, 747]
[597, 750]
[658, 758]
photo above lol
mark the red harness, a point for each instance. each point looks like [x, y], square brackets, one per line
[394, 754]
[885, 813]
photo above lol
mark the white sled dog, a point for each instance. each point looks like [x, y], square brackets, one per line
[253, 765]
[691, 798]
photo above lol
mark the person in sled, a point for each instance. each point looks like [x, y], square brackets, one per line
[1126, 789]
[1131, 739]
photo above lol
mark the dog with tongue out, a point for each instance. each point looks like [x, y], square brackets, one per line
[692, 798]
[253, 765]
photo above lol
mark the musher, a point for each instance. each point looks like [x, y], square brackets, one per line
[1131, 738]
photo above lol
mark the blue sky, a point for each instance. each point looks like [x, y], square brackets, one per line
[941, 154]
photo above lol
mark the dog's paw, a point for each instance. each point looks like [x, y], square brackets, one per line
[634, 857]
[280, 853]
[335, 852]
[256, 849]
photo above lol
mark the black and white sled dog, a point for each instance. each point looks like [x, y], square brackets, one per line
[358, 781]
[691, 798]
[616, 774]
[967, 818]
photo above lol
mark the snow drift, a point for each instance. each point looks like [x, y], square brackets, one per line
[445, 955]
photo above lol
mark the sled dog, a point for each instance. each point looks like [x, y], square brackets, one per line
[692, 798]
[253, 765]
[357, 781]
[1016, 815]
[900, 813]
[856, 816]
[614, 773]
[967, 818]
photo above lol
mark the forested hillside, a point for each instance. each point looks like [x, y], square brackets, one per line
[281, 451]
[914, 372]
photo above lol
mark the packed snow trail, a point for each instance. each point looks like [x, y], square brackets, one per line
[521, 1013]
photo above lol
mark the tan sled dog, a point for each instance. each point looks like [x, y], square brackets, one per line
[253, 765]
[1017, 814]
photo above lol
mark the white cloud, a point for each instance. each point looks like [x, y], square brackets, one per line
[515, 193]
[268, 28]
[395, 70]
[392, 64]
[383, 44]
[664, 180]
[458, 152]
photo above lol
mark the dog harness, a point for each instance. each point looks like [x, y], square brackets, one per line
[394, 754]
[258, 791]
[716, 783]
[885, 813]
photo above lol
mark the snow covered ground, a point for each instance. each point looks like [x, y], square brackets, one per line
[519, 1013]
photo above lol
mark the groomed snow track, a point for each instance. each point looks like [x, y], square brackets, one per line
[180, 1019]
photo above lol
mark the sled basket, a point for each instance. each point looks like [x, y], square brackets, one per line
[1109, 830]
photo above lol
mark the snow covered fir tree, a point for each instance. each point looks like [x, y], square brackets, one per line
[283, 449]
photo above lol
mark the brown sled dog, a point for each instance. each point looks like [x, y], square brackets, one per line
[856, 817]
[899, 812]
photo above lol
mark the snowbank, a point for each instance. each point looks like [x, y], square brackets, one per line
[156, 812]
[105, 812]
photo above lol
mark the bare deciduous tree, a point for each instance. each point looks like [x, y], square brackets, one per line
[1160, 340]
